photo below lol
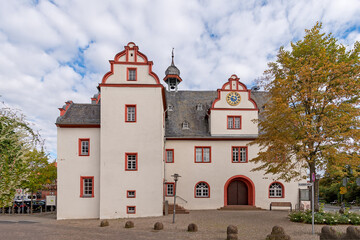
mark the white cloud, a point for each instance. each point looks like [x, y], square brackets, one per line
[53, 51]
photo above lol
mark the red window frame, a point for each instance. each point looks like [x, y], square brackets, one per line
[127, 193]
[126, 113]
[127, 210]
[80, 143]
[166, 192]
[208, 189]
[82, 178]
[282, 188]
[233, 119]
[166, 155]
[202, 153]
[239, 147]
[128, 74]
[126, 161]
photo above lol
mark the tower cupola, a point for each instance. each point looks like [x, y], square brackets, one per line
[172, 75]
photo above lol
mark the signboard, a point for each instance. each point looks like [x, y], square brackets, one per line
[50, 200]
[305, 195]
[343, 190]
[305, 184]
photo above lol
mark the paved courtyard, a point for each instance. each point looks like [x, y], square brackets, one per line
[212, 225]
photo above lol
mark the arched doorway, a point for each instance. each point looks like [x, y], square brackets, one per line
[239, 190]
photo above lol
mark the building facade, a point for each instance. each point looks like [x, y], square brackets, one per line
[117, 155]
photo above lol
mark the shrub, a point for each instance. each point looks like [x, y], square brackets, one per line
[325, 218]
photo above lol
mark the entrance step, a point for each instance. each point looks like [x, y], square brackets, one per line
[178, 209]
[239, 207]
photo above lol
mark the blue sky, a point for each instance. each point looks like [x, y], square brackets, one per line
[54, 51]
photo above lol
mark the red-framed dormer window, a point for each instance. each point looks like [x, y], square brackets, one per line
[84, 146]
[131, 74]
[234, 122]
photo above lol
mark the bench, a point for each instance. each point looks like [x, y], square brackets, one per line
[281, 204]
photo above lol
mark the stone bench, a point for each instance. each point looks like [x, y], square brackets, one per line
[280, 204]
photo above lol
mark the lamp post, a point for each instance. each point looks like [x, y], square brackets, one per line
[175, 176]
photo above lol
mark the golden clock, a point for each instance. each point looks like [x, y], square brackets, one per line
[233, 98]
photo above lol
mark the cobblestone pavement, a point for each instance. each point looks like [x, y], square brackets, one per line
[212, 225]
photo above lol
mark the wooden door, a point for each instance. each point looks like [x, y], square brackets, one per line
[237, 193]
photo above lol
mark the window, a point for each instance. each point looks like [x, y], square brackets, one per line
[202, 154]
[131, 194]
[202, 190]
[130, 113]
[131, 74]
[86, 187]
[170, 108]
[234, 122]
[239, 155]
[276, 190]
[199, 107]
[185, 125]
[84, 146]
[169, 155]
[131, 162]
[130, 209]
[169, 189]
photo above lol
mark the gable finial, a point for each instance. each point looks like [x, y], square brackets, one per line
[172, 57]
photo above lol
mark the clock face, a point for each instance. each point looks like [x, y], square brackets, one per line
[233, 98]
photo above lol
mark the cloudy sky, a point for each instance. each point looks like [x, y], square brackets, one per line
[57, 50]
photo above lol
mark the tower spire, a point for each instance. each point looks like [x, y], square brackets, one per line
[172, 75]
[172, 57]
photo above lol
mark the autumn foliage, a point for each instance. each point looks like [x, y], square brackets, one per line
[312, 119]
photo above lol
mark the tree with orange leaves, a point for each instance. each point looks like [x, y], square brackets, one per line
[312, 119]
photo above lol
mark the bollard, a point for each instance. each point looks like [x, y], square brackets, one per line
[352, 233]
[328, 233]
[277, 233]
[192, 227]
[104, 223]
[129, 224]
[158, 226]
[232, 233]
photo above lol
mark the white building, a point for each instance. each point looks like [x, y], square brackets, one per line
[117, 154]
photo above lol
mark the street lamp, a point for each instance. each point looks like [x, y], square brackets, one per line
[175, 176]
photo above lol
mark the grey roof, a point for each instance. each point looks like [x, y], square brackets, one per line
[172, 70]
[184, 105]
[84, 114]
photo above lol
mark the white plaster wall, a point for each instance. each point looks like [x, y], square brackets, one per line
[70, 167]
[219, 122]
[144, 137]
[120, 71]
[217, 173]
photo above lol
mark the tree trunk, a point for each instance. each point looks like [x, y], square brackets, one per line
[315, 188]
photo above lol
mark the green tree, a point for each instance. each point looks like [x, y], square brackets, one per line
[41, 172]
[311, 120]
[16, 140]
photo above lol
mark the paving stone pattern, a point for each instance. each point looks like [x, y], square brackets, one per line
[212, 225]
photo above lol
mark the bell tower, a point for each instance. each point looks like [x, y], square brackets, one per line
[172, 75]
